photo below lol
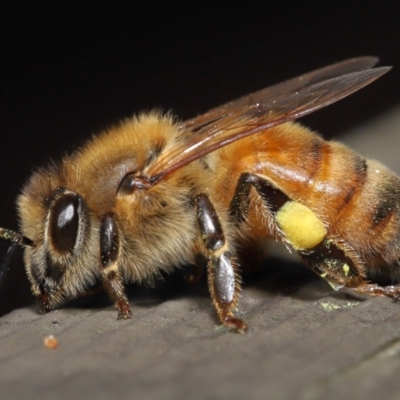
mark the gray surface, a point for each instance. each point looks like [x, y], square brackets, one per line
[304, 342]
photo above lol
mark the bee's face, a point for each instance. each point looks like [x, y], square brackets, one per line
[62, 240]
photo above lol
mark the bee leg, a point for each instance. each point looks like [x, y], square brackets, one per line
[341, 267]
[273, 198]
[376, 290]
[301, 230]
[112, 279]
[330, 258]
[337, 263]
[223, 280]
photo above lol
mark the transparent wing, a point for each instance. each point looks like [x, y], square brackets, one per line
[285, 87]
[242, 117]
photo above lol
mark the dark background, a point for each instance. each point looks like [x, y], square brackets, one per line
[69, 69]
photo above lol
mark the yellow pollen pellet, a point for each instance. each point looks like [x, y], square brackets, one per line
[300, 225]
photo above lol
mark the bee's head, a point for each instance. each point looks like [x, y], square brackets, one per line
[59, 234]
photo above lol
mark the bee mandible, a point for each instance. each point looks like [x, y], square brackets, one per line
[152, 194]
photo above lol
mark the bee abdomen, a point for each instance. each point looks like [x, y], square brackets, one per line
[369, 221]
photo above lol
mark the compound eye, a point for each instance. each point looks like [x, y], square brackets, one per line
[64, 223]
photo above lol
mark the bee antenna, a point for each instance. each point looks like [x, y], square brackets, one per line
[16, 238]
[6, 261]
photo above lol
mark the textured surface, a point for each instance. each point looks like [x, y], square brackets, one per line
[304, 342]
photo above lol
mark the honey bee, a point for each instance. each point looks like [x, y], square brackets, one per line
[152, 194]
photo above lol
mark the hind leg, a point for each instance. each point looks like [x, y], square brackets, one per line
[302, 231]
